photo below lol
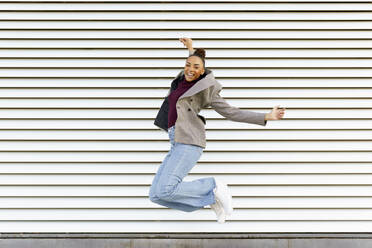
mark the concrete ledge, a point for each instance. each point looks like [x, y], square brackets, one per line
[74, 235]
[184, 240]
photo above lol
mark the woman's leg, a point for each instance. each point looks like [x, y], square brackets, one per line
[154, 185]
[156, 199]
[197, 193]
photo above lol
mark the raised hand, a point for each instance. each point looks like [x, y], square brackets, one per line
[187, 43]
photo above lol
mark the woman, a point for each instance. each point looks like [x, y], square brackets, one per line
[193, 89]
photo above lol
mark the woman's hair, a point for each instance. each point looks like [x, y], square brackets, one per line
[200, 52]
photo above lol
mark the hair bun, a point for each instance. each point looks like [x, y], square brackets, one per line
[200, 52]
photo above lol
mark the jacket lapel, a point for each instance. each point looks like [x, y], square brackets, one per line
[202, 84]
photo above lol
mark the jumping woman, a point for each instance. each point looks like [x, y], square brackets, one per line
[193, 89]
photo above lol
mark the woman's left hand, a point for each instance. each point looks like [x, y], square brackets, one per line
[275, 114]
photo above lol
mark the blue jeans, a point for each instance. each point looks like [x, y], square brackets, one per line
[168, 189]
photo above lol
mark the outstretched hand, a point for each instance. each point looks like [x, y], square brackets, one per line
[276, 113]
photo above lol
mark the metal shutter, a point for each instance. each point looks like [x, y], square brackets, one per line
[81, 82]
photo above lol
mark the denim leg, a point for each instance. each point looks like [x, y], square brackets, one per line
[175, 205]
[156, 199]
[154, 183]
[197, 193]
[154, 186]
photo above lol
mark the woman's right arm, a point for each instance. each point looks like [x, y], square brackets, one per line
[188, 43]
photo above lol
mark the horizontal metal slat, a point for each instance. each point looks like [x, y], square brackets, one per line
[239, 179]
[254, 93]
[212, 124]
[173, 215]
[169, 25]
[196, 34]
[155, 135]
[181, 1]
[156, 157]
[183, 6]
[208, 113]
[202, 168]
[219, 43]
[143, 191]
[150, 103]
[245, 72]
[184, 226]
[100, 146]
[258, 134]
[216, 64]
[187, 15]
[165, 82]
[124, 203]
[182, 54]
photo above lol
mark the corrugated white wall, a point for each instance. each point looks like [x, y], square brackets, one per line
[81, 83]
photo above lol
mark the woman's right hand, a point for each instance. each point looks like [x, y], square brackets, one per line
[187, 42]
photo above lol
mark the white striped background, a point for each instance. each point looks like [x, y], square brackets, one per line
[82, 81]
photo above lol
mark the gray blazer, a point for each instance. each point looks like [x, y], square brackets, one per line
[190, 126]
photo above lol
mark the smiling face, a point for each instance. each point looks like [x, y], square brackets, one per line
[193, 68]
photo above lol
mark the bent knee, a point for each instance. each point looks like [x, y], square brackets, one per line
[153, 194]
[154, 198]
[166, 192]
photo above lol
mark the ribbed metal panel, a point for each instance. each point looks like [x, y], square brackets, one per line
[82, 81]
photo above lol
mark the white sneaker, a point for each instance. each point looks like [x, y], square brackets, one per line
[219, 210]
[223, 194]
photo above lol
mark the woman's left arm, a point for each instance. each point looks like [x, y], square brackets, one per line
[219, 104]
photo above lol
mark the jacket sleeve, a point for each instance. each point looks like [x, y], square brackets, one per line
[234, 113]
